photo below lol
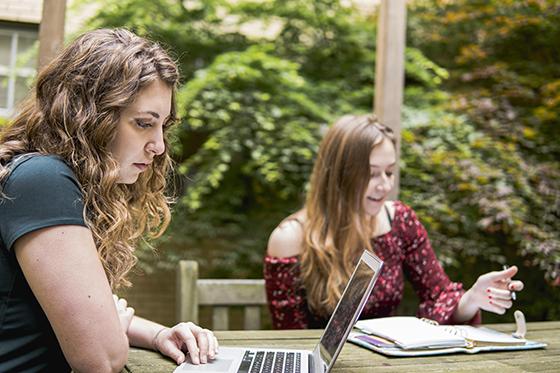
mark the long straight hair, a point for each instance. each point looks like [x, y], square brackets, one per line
[73, 112]
[337, 228]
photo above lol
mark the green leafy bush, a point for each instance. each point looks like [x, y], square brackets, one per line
[508, 89]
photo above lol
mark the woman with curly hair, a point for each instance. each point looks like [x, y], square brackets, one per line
[83, 170]
[312, 253]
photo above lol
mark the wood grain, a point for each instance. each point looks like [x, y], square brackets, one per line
[357, 359]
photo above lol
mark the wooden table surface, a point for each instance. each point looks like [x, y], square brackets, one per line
[356, 359]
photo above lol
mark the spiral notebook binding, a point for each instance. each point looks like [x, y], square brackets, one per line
[429, 321]
[455, 331]
[448, 328]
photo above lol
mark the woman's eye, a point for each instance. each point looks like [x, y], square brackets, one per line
[143, 124]
[378, 174]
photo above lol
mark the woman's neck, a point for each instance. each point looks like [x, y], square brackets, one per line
[380, 223]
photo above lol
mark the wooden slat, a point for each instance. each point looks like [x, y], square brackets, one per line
[186, 294]
[218, 293]
[220, 318]
[231, 292]
[252, 318]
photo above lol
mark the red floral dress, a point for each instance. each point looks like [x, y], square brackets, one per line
[405, 251]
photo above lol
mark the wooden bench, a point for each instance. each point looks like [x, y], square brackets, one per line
[220, 294]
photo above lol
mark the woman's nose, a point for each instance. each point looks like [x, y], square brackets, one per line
[156, 144]
[385, 184]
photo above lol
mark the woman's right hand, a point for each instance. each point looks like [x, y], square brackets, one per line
[125, 313]
[186, 338]
[491, 292]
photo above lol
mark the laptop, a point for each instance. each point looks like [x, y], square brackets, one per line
[323, 357]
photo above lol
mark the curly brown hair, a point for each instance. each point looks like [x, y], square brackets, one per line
[72, 112]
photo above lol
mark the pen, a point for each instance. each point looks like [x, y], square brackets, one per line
[513, 296]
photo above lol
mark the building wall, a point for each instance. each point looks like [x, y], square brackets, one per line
[25, 11]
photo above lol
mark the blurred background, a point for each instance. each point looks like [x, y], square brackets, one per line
[480, 153]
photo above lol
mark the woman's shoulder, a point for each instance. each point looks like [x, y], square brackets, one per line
[405, 222]
[40, 165]
[400, 209]
[287, 238]
[36, 172]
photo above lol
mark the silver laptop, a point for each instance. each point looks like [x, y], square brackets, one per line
[322, 358]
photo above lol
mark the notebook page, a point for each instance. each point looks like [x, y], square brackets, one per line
[484, 336]
[410, 332]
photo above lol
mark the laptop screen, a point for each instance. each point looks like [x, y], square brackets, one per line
[349, 307]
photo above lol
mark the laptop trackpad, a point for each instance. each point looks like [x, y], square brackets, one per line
[224, 362]
[218, 365]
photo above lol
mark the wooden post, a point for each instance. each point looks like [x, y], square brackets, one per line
[389, 72]
[51, 30]
[187, 295]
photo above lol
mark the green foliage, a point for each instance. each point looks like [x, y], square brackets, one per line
[254, 113]
[194, 30]
[504, 76]
[503, 58]
[422, 71]
[319, 35]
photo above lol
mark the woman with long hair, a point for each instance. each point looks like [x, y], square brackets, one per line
[312, 253]
[83, 170]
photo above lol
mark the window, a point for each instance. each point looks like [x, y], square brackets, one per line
[18, 62]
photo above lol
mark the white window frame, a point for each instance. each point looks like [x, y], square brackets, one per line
[12, 72]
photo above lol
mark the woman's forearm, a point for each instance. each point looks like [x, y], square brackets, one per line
[142, 332]
[466, 310]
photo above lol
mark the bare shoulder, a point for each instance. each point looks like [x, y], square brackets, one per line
[287, 238]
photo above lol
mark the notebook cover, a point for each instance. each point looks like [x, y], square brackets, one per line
[386, 348]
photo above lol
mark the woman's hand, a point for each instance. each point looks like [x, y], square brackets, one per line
[125, 313]
[199, 343]
[491, 292]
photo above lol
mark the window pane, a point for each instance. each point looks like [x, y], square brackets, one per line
[3, 92]
[5, 49]
[22, 87]
[27, 51]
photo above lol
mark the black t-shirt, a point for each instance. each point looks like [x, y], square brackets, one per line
[42, 191]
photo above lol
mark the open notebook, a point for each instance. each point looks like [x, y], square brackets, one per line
[411, 336]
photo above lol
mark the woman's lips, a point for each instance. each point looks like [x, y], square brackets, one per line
[141, 166]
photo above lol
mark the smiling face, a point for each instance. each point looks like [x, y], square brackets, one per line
[139, 135]
[382, 162]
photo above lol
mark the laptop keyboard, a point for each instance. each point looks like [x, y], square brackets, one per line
[270, 362]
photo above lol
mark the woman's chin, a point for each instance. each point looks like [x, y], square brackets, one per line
[372, 209]
[127, 179]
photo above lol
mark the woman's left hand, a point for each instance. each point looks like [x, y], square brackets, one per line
[492, 291]
[199, 343]
[125, 313]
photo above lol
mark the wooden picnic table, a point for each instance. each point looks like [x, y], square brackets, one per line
[356, 359]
